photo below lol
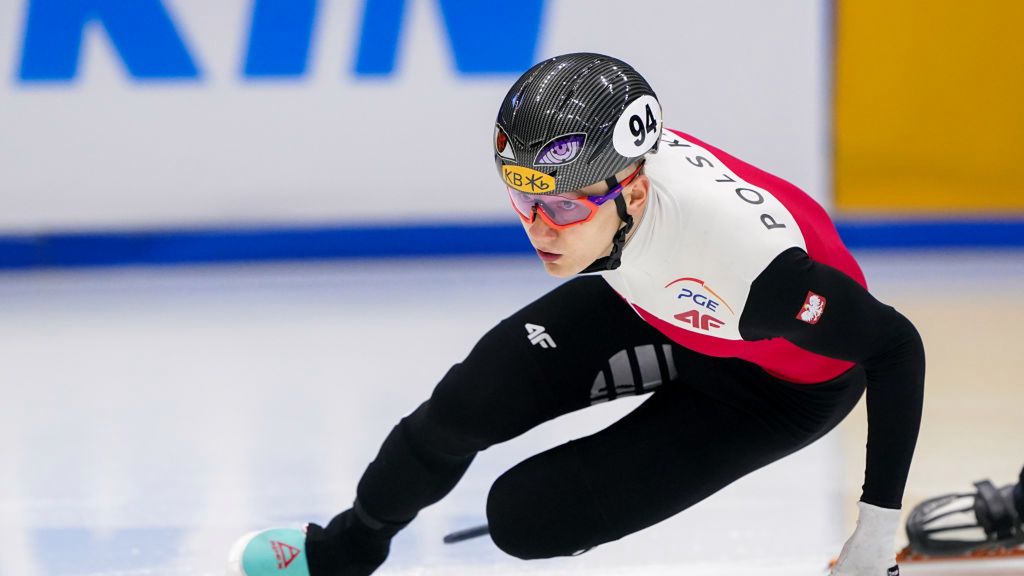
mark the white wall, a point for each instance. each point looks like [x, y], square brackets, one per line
[106, 151]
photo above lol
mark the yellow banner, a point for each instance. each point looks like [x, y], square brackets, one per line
[929, 106]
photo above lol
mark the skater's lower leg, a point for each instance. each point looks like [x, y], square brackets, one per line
[412, 470]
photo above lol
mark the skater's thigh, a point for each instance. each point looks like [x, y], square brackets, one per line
[675, 449]
[694, 438]
[578, 345]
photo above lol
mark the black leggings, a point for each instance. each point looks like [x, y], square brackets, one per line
[708, 422]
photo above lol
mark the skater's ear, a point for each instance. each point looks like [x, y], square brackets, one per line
[636, 194]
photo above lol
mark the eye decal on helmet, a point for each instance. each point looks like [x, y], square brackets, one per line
[502, 147]
[561, 150]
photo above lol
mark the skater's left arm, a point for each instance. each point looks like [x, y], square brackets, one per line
[846, 322]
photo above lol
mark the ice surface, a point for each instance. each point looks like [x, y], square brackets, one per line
[151, 416]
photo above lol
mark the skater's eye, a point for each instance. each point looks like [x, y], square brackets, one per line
[561, 150]
[502, 145]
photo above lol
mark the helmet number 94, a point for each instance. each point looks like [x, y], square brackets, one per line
[638, 128]
[641, 127]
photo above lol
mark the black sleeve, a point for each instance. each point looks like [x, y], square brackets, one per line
[852, 326]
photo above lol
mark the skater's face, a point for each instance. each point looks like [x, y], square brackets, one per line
[567, 251]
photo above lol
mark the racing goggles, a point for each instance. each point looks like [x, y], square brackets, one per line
[561, 211]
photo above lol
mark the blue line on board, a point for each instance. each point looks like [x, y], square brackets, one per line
[168, 247]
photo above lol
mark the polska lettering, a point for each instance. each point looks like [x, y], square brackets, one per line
[748, 195]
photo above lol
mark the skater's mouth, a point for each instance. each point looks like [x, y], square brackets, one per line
[548, 256]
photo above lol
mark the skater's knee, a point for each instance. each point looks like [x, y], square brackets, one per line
[541, 509]
[512, 521]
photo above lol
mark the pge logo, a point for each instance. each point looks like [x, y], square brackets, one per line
[693, 292]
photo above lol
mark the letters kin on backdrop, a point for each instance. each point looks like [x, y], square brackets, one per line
[148, 41]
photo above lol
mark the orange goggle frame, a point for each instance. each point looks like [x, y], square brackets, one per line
[561, 211]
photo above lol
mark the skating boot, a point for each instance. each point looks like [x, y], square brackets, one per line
[277, 552]
[352, 544]
[982, 524]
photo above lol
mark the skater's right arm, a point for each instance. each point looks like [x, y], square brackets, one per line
[850, 325]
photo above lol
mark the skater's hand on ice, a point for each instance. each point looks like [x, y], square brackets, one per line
[871, 551]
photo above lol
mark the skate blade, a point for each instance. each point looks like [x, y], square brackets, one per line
[907, 557]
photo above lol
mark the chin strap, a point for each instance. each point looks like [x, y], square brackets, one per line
[614, 260]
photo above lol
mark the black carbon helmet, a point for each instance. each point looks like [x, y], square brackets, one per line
[574, 120]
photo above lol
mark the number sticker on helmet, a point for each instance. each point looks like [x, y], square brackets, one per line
[561, 150]
[638, 128]
[501, 144]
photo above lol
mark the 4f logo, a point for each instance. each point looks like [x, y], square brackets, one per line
[699, 321]
[537, 335]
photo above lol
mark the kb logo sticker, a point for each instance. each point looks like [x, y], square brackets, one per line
[528, 180]
[639, 127]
